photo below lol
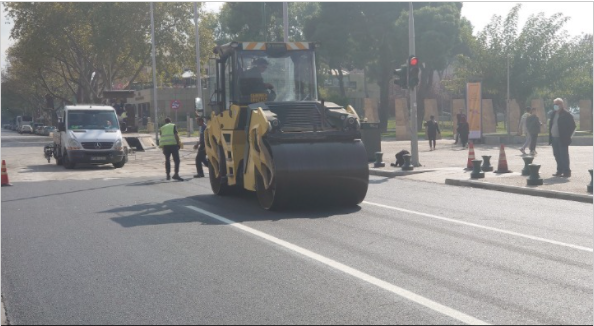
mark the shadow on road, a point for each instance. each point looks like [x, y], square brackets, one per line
[52, 167]
[241, 207]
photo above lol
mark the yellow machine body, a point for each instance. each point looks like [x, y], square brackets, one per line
[284, 147]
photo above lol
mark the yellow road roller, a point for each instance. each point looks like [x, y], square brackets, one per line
[269, 133]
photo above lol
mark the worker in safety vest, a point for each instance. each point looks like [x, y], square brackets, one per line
[170, 143]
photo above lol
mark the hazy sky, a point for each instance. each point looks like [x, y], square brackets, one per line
[478, 13]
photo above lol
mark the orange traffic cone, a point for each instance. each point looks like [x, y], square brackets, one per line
[470, 156]
[502, 165]
[4, 175]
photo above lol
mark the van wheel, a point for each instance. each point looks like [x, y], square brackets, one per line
[57, 155]
[120, 164]
[67, 163]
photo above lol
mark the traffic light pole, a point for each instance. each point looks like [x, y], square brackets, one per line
[414, 141]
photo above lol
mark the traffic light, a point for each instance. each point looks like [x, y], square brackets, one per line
[401, 76]
[413, 72]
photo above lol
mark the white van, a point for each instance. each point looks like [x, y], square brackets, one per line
[89, 134]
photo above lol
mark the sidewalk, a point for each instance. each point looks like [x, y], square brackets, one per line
[447, 165]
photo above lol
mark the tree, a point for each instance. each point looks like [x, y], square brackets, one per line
[85, 48]
[437, 41]
[544, 61]
[330, 27]
[263, 21]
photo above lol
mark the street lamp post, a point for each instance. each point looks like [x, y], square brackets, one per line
[507, 120]
[156, 122]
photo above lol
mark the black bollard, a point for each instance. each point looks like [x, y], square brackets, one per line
[407, 166]
[527, 161]
[378, 160]
[534, 179]
[590, 185]
[487, 164]
[476, 170]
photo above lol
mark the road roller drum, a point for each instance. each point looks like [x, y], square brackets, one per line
[335, 172]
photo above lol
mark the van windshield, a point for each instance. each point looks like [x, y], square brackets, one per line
[92, 119]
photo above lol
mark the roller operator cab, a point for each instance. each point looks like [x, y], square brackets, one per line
[89, 134]
[269, 133]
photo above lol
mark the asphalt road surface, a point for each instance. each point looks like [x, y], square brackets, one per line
[119, 248]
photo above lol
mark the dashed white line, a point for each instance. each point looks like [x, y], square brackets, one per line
[447, 311]
[526, 236]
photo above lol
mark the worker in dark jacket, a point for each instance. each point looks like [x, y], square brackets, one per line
[561, 129]
[464, 131]
[201, 147]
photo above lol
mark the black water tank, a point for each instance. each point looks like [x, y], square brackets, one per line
[372, 139]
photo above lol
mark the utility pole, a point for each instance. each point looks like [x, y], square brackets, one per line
[264, 22]
[198, 75]
[414, 141]
[507, 117]
[156, 122]
[190, 121]
[286, 21]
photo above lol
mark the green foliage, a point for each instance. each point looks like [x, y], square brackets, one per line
[543, 61]
[263, 21]
[78, 50]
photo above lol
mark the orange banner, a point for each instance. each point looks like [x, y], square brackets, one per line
[474, 101]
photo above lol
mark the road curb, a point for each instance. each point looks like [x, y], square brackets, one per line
[521, 190]
[395, 173]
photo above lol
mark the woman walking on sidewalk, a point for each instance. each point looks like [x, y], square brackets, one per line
[523, 131]
[432, 131]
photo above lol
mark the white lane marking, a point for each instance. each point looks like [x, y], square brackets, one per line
[484, 227]
[351, 271]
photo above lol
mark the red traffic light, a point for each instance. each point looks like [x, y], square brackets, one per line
[413, 61]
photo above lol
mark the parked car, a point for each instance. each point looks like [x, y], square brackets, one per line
[26, 129]
[39, 130]
[47, 130]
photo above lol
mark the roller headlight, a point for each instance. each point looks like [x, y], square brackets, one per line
[273, 125]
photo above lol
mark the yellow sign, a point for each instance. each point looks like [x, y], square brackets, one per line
[258, 97]
[474, 101]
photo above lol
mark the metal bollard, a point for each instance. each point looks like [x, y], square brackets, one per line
[487, 163]
[378, 160]
[590, 185]
[476, 170]
[534, 179]
[407, 166]
[527, 161]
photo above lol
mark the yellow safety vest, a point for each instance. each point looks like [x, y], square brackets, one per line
[167, 135]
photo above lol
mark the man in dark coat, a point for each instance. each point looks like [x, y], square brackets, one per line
[561, 128]
[432, 131]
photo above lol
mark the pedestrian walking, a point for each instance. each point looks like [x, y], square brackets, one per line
[533, 125]
[523, 131]
[200, 145]
[463, 129]
[459, 118]
[170, 143]
[561, 129]
[432, 131]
